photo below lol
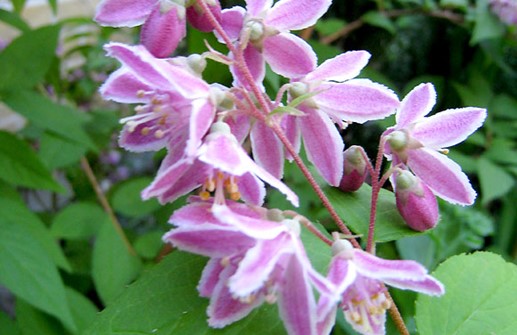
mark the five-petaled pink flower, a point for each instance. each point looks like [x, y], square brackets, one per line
[359, 277]
[417, 142]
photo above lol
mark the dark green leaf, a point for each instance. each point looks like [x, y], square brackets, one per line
[21, 166]
[126, 198]
[8, 326]
[18, 5]
[44, 113]
[80, 220]
[480, 297]
[27, 270]
[503, 106]
[329, 26]
[19, 66]
[168, 290]
[113, 265]
[380, 20]
[33, 321]
[354, 209]
[14, 20]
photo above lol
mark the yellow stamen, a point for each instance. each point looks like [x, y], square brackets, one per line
[204, 195]
[235, 196]
[145, 131]
[159, 133]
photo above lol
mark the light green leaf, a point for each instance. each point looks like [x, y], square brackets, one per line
[318, 251]
[21, 166]
[126, 198]
[17, 213]
[149, 245]
[169, 292]
[27, 270]
[113, 266]
[503, 106]
[354, 209]
[480, 297]
[57, 152]
[19, 66]
[83, 310]
[80, 220]
[378, 19]
[495, 181]
[487, 25]
[329, 26]
[62, 120]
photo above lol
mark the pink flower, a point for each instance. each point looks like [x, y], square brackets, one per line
[163, 21]
[219, 164]
[176, 110]
[358, 277]
[418, 142]
[266, 27]
[253, 259]
[337, 97]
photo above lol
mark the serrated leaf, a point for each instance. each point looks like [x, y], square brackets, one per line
[168, 290]
[480, 297]
[494, 180]
[80, 220]
[354, 209]
[26, 60]
[22, 167]
[27, 270]
[126, 198]
[17, 213]
[113, 266]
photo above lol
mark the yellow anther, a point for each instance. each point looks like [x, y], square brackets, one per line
[356, 317]
[235, 196]
[220, 175]
[386, 304]
[156, 101]
[145, 131]
[159, 133]
[140, 94]
[210, 185]
[163, 120]
[204, 195]
[225, 261]
[445, 151]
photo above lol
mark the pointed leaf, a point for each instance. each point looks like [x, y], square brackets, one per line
[491, 310]
[80, 220]
[495, 181]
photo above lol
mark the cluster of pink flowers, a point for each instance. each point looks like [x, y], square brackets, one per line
[211, 133]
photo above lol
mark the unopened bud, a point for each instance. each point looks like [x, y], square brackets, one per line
[398, 140]
[415, 201]
[198, 19]
[197, 63]
[354, 172]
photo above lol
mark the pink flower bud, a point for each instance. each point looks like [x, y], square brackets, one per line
[354, 172]
[164, 29]
[197, 18]
[415, 201]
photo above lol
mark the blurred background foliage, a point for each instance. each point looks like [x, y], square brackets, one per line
[59, 154]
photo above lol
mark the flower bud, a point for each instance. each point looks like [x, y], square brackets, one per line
[354, 171]
[415, 201]
[164, 29]
[198, 19]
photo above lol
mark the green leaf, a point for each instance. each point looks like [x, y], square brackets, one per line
[113, 266]
[57, 152]
[22, 167]
[14, 20]
[165, 301]
[127, 201]
[329, 26]
[354, 209]
[8, 326]
[459, 4]
[495, 181]
[487, 25]
[16, 212]
[318, 251]
[19, 66]
[149, 245]
[480, 297]
[33, 321]
[503, 106]
[27, 270]
[378, 19]
[83, 310]
[80, 220]
[62, 120]
[18, 5]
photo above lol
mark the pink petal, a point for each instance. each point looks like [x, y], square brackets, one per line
[292, 132]
[135, 140]
[231, 21]
[209, 240]
[342, 273]
[296, 303]
[443, 176]
[162, 32]
[257, 7]
[326, 315]
[123, 13]
[428, 285]
[257, 265]
[250, 226]
[374, 267]
[288, 55]
[122, 86]
[357, 100]
[449, 127]
[323, 144]
[256, 65]
[223, 308]
[252, 189]
[296, 14]
[340, 68]
[193, 214]
[210, 277]
[224, 153]
[267, 149]
[201, 118]
[417, 103]
[199, 20]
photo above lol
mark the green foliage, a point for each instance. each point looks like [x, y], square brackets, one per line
[127, 201]
[480, 297]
